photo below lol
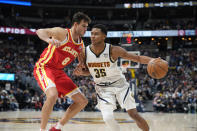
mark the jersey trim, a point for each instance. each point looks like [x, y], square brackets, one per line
[47, 56]
[110, 57]
[41, 63]
[102, 98]
[85, 55]
[70, 33]
[71, 91]
[126, 95]
[99, 53]
[43, 84]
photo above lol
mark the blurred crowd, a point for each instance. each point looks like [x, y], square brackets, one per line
[150, 24]
[120, 19]
[169, 24]
[177, 92]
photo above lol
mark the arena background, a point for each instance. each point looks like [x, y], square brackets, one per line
[156, 28]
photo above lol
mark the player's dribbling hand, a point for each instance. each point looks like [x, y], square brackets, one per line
[155, 59]
[159, 59]
[53, 41]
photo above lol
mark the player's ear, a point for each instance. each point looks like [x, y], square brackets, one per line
[75, 24]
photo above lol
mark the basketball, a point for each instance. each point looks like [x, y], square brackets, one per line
[157, 68]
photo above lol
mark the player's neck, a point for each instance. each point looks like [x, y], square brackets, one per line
[74, 34]
[97, 48]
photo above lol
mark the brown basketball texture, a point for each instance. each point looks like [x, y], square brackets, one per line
[157, 68]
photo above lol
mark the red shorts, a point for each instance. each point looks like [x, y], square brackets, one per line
[47, 77]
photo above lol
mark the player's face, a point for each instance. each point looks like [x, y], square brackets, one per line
[97, 36]
[81, 28]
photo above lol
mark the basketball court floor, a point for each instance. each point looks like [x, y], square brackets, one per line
[92, 121]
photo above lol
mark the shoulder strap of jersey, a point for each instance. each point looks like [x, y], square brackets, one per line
[86, 53]
[110, 52]
[69, 34]
[82, 44]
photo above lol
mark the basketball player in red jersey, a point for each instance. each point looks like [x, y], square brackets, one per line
[64, 46]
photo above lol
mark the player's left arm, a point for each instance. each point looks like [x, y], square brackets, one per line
[118, 51]
[81, 72]
[81, 69]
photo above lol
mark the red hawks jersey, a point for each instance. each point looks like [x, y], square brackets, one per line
[59, 57]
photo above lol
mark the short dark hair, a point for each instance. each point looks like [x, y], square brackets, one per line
[79, 16]
[101, 27]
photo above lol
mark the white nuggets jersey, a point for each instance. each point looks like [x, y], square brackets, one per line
[101, 67]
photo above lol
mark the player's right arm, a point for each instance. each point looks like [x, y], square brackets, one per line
[122, 53]
[52, 35]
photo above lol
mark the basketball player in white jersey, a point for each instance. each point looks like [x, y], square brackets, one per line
[101, 63]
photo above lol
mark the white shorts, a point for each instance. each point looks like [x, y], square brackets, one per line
[121, 92]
